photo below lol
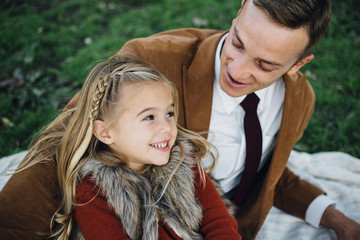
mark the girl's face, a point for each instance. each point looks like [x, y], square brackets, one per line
[145, 130]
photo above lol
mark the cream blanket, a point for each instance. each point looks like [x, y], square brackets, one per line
[336, 173]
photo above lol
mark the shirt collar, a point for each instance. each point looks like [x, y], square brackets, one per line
[230, 103]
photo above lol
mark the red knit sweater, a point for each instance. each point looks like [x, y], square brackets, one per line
[98, 221]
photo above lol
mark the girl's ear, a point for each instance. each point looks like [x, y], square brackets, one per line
[101, 132]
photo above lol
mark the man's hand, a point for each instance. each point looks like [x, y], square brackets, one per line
[344, 227]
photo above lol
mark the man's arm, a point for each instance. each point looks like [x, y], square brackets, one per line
[294, 195]
[28, 201]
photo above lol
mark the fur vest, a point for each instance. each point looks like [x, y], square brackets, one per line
[138, 201]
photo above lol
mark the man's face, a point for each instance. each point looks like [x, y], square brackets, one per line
[258, 51]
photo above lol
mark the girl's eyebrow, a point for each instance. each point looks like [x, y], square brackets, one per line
[145, 110]
[237, 35]
[151, 108]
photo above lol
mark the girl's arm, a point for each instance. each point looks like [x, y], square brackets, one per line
[217, 222]
[93, 215]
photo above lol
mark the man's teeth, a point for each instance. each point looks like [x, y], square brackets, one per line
[162, 145]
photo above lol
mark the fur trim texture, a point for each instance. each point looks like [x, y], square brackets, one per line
[139, 201]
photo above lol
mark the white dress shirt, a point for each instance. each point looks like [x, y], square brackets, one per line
[226, 133]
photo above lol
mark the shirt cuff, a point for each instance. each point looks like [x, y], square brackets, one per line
[316, 209]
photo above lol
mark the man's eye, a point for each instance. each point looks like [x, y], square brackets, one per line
[150, 117]
[262, 68]
[236, 44]
[170, 114]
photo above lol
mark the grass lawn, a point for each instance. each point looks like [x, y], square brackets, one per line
[48, 47]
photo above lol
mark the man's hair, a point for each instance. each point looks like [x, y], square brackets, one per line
[313, 14]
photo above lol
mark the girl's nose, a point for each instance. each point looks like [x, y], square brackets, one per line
[165, 125]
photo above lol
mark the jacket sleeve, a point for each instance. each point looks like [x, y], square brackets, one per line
[93, 215]
[217, 222]
[28, 201]
[294, 195]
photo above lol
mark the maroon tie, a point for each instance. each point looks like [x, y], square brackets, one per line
[253, 147]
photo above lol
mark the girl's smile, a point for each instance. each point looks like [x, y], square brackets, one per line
[162, 146]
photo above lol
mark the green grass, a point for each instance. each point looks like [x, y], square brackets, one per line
[335, 77]
[47, 49]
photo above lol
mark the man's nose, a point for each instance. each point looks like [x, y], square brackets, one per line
[240, 68]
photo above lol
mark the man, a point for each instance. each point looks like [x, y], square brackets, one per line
[214, 71]
[268, 43]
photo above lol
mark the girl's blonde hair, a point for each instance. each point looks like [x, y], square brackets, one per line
[69, 141]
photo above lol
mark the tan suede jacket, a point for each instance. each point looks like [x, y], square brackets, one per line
[187, 57]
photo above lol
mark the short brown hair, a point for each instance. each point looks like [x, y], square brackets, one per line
[313, 14]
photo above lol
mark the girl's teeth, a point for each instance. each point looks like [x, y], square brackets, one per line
[162, 145]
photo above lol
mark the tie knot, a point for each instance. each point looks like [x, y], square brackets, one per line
[249, 104]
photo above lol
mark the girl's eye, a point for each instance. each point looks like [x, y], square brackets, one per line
[170, 114]
[150, 117]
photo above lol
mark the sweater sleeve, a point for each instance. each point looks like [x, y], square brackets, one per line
[93, 215]
[216, 222]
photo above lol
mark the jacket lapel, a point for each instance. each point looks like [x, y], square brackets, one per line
[198, 82]
[292, 118]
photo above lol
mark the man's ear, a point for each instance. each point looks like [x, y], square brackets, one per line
[101, 132]
[301, 63]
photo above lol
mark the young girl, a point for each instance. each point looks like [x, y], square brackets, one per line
[125, 169]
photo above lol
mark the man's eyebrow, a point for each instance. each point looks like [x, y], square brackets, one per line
[270, 62]
[237, 35]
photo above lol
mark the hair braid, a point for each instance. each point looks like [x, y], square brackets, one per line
[94, 112]
[99, 93]
[70, 181]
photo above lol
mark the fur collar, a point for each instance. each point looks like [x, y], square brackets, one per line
[135, 198]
